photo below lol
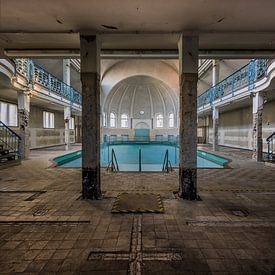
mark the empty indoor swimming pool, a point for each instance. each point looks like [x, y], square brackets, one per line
[141, 156]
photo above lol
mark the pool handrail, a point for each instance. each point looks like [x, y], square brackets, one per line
[113, 164]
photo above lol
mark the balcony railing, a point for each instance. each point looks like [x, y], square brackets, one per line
[37, 75]
[246, 76]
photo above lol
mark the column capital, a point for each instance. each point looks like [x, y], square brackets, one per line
[90, 53]
[188, 47]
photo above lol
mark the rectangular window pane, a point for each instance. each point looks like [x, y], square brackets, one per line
[48, 120]
[4, 112]
[71, 123]
[8, 114]
[12, 115]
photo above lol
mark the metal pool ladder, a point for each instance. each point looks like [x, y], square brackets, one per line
[166, 167]
[113, 164]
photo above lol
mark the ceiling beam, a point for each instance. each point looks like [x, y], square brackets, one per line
[142, 54]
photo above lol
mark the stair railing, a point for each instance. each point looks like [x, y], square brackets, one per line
[9, 140]
[270, 146]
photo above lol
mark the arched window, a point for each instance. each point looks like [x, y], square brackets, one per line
[104, 121]
[171, 121]
[112, 120]
[124, 121]
[159, 121]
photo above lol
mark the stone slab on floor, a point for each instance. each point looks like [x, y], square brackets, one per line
[138, 203]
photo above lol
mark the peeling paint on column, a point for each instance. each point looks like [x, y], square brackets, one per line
[257, 136]
[188, 178]
[91, 188]
[215, 118]
[90, 79]
[257, 127]
[188, 136]
[24, 132]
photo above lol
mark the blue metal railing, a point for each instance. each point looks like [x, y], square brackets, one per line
[246, 76]
[9, 143]
[36, 74]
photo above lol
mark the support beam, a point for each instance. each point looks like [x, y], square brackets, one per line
[215, 132]
[90, 78]
[257, 127]
[188, 76]
[67, 110]
[23, 119]
[215, 72]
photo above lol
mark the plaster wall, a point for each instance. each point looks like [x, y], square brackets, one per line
[131, 132]
[235, 127]
[41, 137]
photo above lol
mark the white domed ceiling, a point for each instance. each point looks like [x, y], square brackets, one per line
[141, 97]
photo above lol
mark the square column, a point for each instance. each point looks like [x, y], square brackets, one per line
[188, 78]
[257, 127]
[67, 110]
[90, 78]
[215, 120]
[67, 118]
[23, 119]
[215, 72]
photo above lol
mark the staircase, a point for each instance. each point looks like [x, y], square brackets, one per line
[271, 147]
[9, 147]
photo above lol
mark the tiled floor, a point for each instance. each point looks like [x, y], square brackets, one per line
[46, 228]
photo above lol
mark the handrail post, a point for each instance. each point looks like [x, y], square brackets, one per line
[268, 150]
[139, 168]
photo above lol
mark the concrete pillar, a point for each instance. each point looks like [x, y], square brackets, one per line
[78, 129]
[257, 127]
[90, 78]
[67, 71]
[215, 119]
[215, 72]
[188, 78]
[23, 119]
[67, 118]
[67, 110]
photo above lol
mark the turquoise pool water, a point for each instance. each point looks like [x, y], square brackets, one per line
[152, 156]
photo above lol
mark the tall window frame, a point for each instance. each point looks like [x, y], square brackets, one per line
[48, 120]
[159, 121]
[171, 120]
[124, 121]
[72, 123]
[113, 120]
[104, 119]
[9, 114]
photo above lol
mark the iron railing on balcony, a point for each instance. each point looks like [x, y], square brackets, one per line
[246, 76]
[37, 75]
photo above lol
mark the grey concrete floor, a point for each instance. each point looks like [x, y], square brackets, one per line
[46, 228]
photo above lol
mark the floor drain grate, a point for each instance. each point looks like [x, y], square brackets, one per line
[35, 195]
[240, 212]
[40, 212]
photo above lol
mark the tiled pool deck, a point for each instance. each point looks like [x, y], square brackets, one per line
[45, 228]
